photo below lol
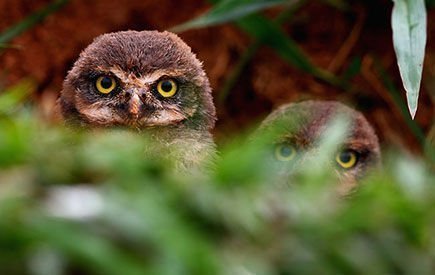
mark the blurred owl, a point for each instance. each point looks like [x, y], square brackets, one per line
[149, 81]
[299, 128]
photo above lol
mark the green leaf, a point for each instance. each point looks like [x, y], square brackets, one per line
[13, 96]
[228, 10]
[409, 37]
[339, 4]
[30, 21]
[271, 34]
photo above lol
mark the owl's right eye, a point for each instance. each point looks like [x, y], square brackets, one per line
[167, 88]
[285, 152]
[347, 158]
[105, 84]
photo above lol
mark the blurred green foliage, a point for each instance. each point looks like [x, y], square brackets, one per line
[91, 203]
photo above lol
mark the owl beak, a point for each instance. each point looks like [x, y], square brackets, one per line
[134, 105]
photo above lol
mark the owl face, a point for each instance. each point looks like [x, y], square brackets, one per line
[299, 128]
[139, 80]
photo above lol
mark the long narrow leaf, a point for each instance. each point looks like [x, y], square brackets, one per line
[408, 21]
[30, 21]
[271, 34]
[228, 10]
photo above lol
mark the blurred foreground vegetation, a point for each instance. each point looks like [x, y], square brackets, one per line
[90, 203]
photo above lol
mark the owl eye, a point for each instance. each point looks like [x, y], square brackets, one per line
[285, 152]
[347, 158]
[105, 84]
[167, 88]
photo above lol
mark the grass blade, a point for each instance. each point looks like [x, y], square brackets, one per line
[228, 10]
[271, 34]
[408, 21]
[30, 21]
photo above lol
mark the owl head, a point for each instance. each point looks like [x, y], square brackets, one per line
[298, 129]
[141, 80]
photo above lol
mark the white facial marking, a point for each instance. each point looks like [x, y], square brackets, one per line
[164, 117]
[144, 80]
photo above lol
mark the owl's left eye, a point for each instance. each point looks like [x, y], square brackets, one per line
[167, 88]
[347, 158]
[105, 84]
[285, 152]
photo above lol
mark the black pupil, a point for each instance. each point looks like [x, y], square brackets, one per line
[286, 151]
[166, 86]
[106, 82]
[345, 156]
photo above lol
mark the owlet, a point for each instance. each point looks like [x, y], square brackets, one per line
[299, 127]
[148, 81]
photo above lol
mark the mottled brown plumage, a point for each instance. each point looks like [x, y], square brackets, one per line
[299, 126]
[149, 81]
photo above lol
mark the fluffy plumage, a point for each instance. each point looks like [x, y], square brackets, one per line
[128, 79]
[301, 125]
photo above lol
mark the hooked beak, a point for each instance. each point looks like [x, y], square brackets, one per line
[142, 114]
[134, 105]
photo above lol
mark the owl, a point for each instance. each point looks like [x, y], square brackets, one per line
[147, 81]
[298, 129]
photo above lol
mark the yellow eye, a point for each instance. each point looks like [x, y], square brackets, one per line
[167, 88]
[105, 84]
[285, 152]
[347, 159]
